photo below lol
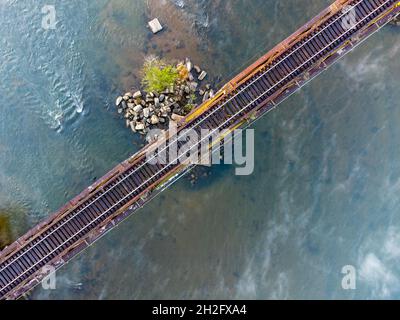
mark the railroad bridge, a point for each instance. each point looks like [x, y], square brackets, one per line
[254, 92]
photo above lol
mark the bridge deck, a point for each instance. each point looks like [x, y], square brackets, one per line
[126, 188]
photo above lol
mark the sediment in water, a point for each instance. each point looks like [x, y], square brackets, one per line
[6, 234]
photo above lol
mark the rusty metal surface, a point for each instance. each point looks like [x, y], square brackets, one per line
[154, 188]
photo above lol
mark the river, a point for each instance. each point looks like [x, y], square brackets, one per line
[324, 193]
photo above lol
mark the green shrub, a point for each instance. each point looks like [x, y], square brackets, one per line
[157, 75]
[192, 98]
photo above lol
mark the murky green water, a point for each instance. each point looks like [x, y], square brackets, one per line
[324, 193]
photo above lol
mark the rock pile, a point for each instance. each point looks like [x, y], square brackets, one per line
[144, 111]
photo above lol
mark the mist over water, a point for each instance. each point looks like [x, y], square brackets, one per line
[324, 193]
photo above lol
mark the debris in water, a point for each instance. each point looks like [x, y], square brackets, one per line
[155, 25]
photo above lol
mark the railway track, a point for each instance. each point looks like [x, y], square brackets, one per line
[252, 93]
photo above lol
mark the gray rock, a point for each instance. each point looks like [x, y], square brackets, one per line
[193, 86]
[155, 25]
[131, 105]
[126, 98]
[162, 97]
[187, 89]
[128, 94]
[206, 96]
[154, 119]
[118, 101]
[138, 108]
[120, 110]
[139, 126]
[156, 102]
[212, 94]
[189, 65]
[137, 94]
[146, 112]
[197, 68]
[202, 75]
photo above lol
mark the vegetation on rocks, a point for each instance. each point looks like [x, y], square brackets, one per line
[158, 75]
[170, 92]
